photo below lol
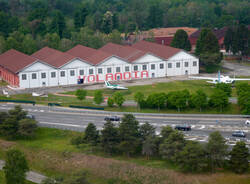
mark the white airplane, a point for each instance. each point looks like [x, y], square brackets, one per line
[220, 79]
[113, 86]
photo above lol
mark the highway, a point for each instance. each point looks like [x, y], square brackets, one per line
[77, 120]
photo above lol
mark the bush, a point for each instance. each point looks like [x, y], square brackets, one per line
[27, 127]
[110, 102]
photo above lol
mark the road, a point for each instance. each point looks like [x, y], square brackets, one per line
[77, 120]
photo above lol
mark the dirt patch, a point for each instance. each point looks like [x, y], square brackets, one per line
[5, 145]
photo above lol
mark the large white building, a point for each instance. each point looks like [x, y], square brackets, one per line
[112, 62]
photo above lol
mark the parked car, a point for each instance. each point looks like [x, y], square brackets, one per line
[239, 134]
[247, 122]
[112, 118]
[30, 116]
[184, 127]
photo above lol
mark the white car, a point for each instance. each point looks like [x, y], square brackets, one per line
[247, 122]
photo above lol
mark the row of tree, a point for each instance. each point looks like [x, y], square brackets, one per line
[130, 138]
[16, 124]
[181, 100]
[243, 92]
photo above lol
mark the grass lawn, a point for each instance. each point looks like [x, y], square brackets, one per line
[51, 153]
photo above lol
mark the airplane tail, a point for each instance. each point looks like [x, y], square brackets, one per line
[107, 83]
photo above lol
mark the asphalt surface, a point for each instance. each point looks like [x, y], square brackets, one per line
[202, 124]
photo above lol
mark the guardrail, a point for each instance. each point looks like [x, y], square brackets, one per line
[54, 104]
[86, 107]
[19, 101]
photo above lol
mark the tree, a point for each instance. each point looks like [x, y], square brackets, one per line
[2, 44]
[110, 102]
[52, 40]
[15, 168]
[228, 40]
[81, 94]
[149, 146]
[171, 146]
[192, 158]
[109, 137]
[58, 24]
[118, 98]
[91, 134]
[199, 99]
[139, 97]
[80, 17]
[227, 88]
[181, 40]
[28, 44]
[218, 99]
[3, 116]
[27, 127]
[155, 15]
[107, 22]
[129, 134]
[156, 100]
[146, 130]
[178, 100]
[98, 97]
[216, 149]
[166, 131]
[239, 158]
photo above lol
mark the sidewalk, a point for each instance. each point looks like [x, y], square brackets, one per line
[30, 176]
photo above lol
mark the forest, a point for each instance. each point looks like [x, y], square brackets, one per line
[28, 25]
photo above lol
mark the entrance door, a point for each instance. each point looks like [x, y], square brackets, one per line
[186, 72]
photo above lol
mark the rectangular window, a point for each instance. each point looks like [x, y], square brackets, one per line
[24, 77]
[33, 76]
[195, 63]
[178, 65]
[118, 69]
[91, 71]
[135, 68]
[161, 66]
[43, 75]
[62, 73]
[109, 70]
[81, 72]
[169, 65]
[72, 72]
[99, 70]
[152, 66]
[126, 68]
[186, 64]
[53, 74]
[144, 67]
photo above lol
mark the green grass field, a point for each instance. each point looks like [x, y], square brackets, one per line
[51, 153]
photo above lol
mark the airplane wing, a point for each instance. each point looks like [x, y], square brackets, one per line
[206, 78]
[240, 79]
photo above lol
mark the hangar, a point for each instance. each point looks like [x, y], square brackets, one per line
[112, 62]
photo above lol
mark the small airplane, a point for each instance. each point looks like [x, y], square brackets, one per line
[113, 86]
[220, 79]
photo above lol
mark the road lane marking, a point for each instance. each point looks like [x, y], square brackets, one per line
[62, 124]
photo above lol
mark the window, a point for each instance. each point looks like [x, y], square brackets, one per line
[33, 76]
[195, 63]
[135, 68]
[53, 74]
[91, 71]
[109, 70]
[169, 65]
[186, 64]
[152, 66]
[62, 73]
[118, 69]
[43, 75]
[144, 67]
[126, 68]
[81, 72]
[100, 70]
[24, 76]
[72, 72]
[178, 65]
[161, 65]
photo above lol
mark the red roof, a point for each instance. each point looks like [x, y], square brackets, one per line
[53, 57]
[15, 61]
[162, 51]
[98, 57]
[81, 52]
[126, 52]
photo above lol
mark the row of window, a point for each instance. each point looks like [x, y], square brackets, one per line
[109, 70]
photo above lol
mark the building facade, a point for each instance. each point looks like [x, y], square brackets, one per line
[49, 67]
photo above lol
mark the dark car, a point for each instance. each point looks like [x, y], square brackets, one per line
[112, 118]
[239, 134]
[183, 127]
[30, 116]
